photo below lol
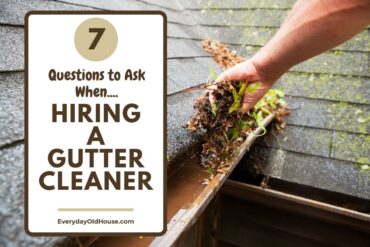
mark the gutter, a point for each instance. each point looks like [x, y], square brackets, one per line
[276, 199]
[186, 217]
[187, 197]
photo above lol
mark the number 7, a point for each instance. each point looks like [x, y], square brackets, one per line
[99, 33]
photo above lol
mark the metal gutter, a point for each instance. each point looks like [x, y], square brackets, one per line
[293, 203]
[187, 197]
[186, 217]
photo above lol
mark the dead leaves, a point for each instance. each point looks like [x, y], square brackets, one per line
[221, 54]
[226, 126]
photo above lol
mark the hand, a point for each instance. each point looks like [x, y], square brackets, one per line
[248, 71]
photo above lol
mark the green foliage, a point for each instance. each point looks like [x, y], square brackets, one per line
[212, 73]
[242, 124]
[233, 133]
[272, 100]
[237, 96]
[253, 87]
[259, 121]
[274, 97]
[211, 170]
[214, 108]
[235, 106]
[243, 87]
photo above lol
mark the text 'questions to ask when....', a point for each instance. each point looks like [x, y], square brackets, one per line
[95, 122]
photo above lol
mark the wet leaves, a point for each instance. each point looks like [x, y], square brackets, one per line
[224, 122]
[218, 112]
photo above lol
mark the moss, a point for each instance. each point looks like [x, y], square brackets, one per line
[352, 147]
[325, 86]
[330, 145]
[256, 36]
[338, 52]
[353, 63]
[345, 116]
[361, 42]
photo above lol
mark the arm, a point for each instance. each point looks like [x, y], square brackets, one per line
[311, 28]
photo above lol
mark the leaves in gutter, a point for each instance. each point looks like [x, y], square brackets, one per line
[225, 124]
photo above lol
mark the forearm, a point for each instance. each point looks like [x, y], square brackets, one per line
[311, 28]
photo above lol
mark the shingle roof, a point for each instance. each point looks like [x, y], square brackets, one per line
[325, 140]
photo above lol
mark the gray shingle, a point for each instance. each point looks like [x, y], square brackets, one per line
[188, 72]
[328, 115]
[182, 31]
[180, 110]
[300, 139]
[11, 107]
[248, 17]
[13, 11]
[336, 62]
[11, 43]
[328, 174]
[324, 173]
[259, 36]
[237, 4]
[345, 63]
[352, 181]
[326, 86]
[349, 117]
[11, 197]
[311, 170]
[305, 112]
[173, 4]
[173, 16]
[241, 35]
[184, 48]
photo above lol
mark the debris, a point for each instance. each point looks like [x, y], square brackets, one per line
[226, 125]
[221, 54]
[264, 183]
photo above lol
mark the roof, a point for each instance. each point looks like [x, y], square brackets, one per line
[329, 96]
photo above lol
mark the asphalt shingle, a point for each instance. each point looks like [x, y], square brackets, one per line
[338, 62]
[11, 43]
[174, 4]
[11, 107]
[328, 115]
[325, 173]
[258, 36]
[352, 89]
[182, 31]
[180, 110]
[300, 139]
[173, 16]
[13, 11]
[188, 72]
[237, 4]
[184, 48]
[11, 197]
[351, 147]
[332, 62]
[247, 17]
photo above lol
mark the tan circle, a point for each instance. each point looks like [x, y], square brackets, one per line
[96, 39]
